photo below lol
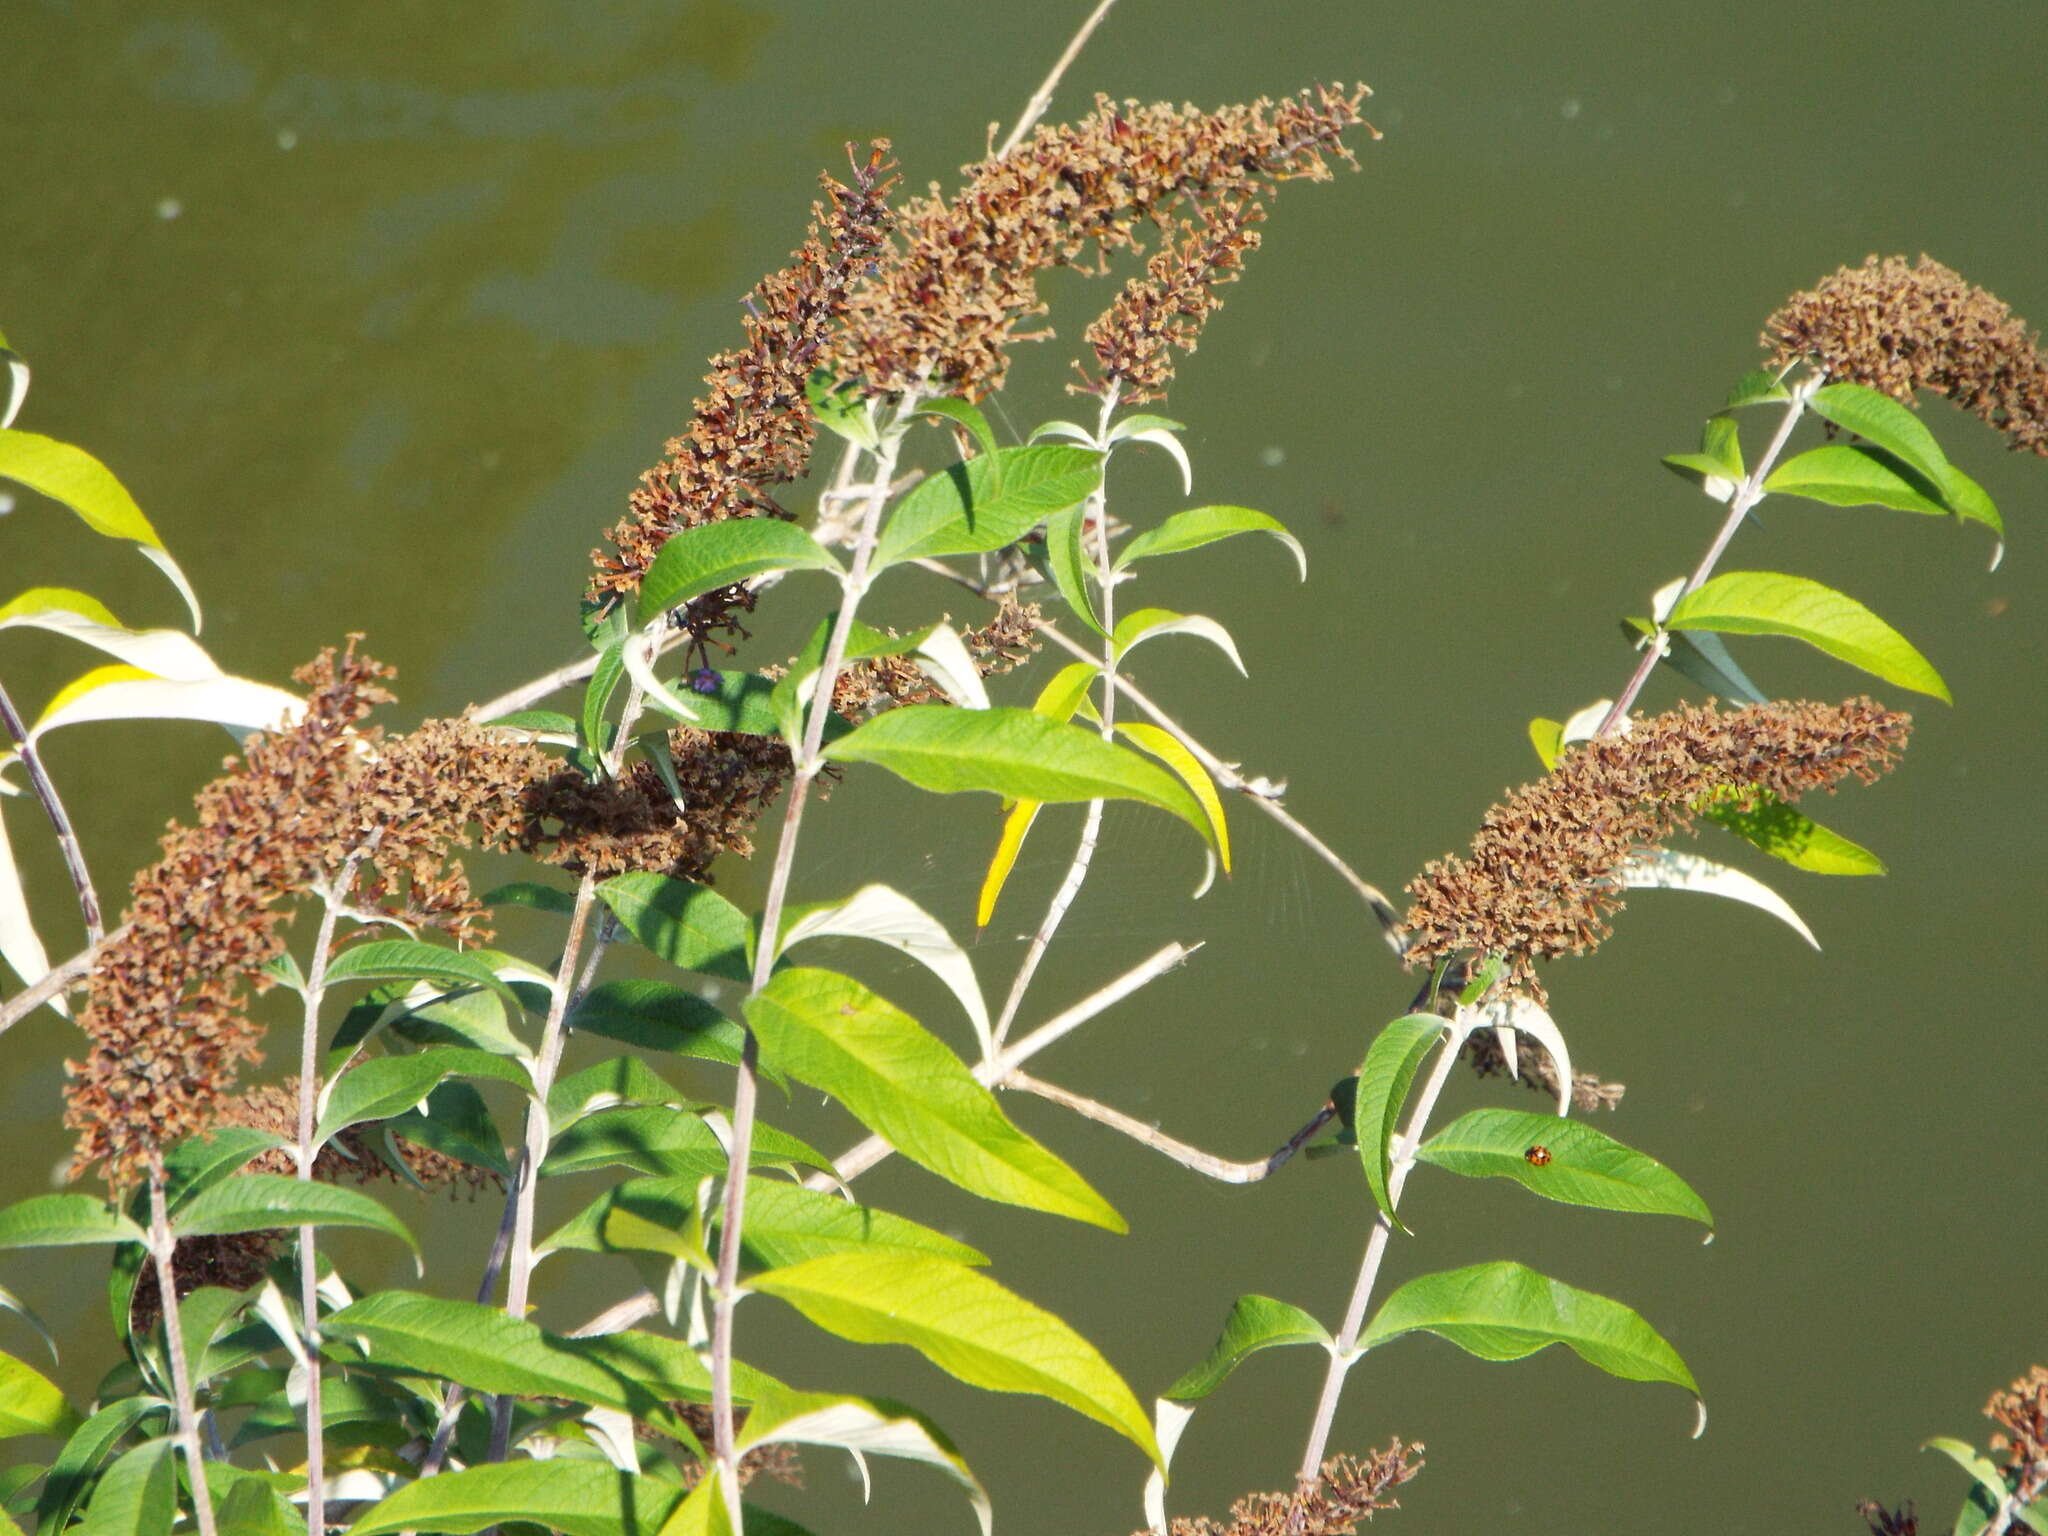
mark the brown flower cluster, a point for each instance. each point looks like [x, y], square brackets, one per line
[2021, 1413]
[869, 686]
[1163, 312]
[943, 307]
[1347, 1491]
[632, 822]
[1542, 875]
[754, 429]
[1903, 1521]
[1901, 328]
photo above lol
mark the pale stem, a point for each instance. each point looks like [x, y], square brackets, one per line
[29, 999]
[53, 807]
[309, 1275]
[526, 1175]
[746, 1090]
[1746, 496]
[161, 1246]
[863, 1156]
[1342, 1356]
[1191, 1157]
[1091, 823]
[1041, 99]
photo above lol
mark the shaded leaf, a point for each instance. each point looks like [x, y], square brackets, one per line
[690, 926]
[722, 554]
[137, 1495]
[1507, 1311]
[966, 415]
[667, 1142]
[391, 1085]
[1068, 562]
[841, 409]
[1582, 1166]
[1255, 1323]
[658, 1016]
[410, 960]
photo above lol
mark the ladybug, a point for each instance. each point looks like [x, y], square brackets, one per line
[1537, 1157]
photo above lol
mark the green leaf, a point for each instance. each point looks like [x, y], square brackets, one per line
[264, 1202]
[1759, 386]
[578, 1498]
[1135, 628]
[1547, 737]
[863, 1426]
[690, 926]
[30, 1403]
[658, 1016]
[410, 960]
[745, 703]
[392, 1085]
[722, 554]
[1785, 833]
[456, 1123]
[1069, 562]
[251, 1503]
[965, 414]
[841, 409]
[72, 1473]
[78, 480]
[668, 1142]
[483, 1349]
[1507, 1311]
[1766, 603]
[1856, 475]
[1981, 1468]
[1015, 753]
[14, 386]
[617, 1081]
[987, 502]
[1255, 1323]
[1721, 442]
[964, 1323]
[540, 722]
[1583, 1166]
[137, 1495]
[901, 1081]
[56, 1221]
[1875, 416]
[1383, 1080]
[597, 696]
[1205, 525]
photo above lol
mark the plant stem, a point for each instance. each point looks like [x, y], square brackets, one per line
[161, 1246]
[1746, 496]
[29, 999]
[1205, 1163]
[1097, 513]
[526, 1176]
[309, 1270]
[53, 807]
[1343, 1354]
[746, 1091]
[1041, 99]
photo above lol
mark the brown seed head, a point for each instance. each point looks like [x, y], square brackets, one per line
[1902, 328]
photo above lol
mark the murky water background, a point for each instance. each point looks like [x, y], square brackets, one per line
[379, 312]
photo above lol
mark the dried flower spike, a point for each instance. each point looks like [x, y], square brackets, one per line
[1541, 878]
[1902, 328]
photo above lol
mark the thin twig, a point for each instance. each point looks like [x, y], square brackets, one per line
[1746, 496]
[860, 1158]
[1041, 99]
[79, 966]
[53, 807]
[161, 1246]
[1205, 1163]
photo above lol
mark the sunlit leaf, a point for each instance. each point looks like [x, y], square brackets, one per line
[1672, 870]
[57, 1221]
[1205, 525]
[1856, 475]
[1785, 833]
[30, 1403]
[1016, 827]
[865, 1426]
[1547, 737]
[722, 554]
[78, 480]
[987, 502]
[666, 1142]
[841, 409]
[1767, 603]
[618, 1081]
[410, 960]
[888, 917]
[966, 415]
[167, 653]
[964, 1323]
[262, 1202]
[1168, 748]
[902, 1082]
[1150, 623]
[1068, 561]
[20, 946]
[1255, 1323]
[1760, 386]
[577, 1498]
[1506, 1311]
[137, 1495]
[122, 692]
[1578, 1166]
[391, 1085]
[88, 1449]
[1016, 753]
